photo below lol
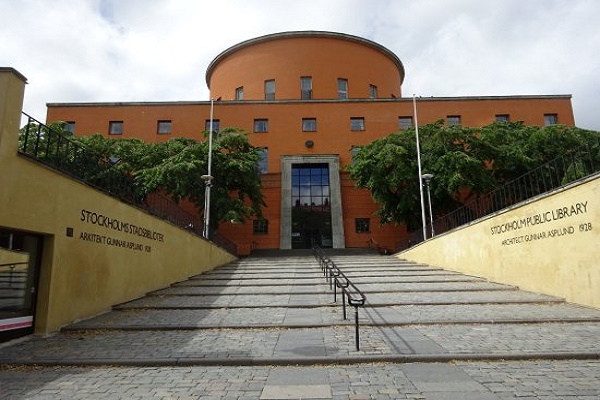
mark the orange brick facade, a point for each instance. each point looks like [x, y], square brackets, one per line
[351, 78]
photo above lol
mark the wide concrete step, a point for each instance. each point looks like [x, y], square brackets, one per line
[318, 299]
[317, 280]
[287, 317]
[377, 287]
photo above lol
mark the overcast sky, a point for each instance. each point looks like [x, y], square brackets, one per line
[158, 50]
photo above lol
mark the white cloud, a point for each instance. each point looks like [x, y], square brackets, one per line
[126, 50]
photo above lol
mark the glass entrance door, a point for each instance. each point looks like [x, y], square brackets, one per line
[19, 265]
[311, 209]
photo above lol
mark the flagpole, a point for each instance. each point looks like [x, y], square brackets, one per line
[420, 171]
[208, 177]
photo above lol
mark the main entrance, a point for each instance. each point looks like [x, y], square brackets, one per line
[311, 208]
[311, 202]
[20, 254]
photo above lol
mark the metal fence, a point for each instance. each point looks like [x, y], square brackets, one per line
[60, 152]
[553, 175]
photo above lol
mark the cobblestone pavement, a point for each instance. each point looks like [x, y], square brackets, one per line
[268, 328]
[548, 380]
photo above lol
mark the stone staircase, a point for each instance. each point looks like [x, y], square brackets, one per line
[280, 310]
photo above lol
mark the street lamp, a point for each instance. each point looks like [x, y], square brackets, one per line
[208, 177]
[426, 181]
[207, 184]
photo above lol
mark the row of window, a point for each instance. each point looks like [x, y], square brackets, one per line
[261, 226]
[451, 120]
[163, 127]
[358, 123]
[261, 125]
[306, 89]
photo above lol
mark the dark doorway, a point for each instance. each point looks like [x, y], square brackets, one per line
[311, 208]
[20, 254]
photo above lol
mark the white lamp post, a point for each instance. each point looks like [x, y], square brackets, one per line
[208, 177]
[426, 181]
[419, 164]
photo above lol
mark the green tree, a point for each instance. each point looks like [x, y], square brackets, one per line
[112, 164]
[131, 169]
[86, 158]
[554, 153]
[388, 168]
[466, 162]
[51, 143]
[175, 168]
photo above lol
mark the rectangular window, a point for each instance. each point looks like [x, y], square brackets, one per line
[309, 124]
[362, 225]
[270, 89]
[215, 125]
[70, 127]
[453, 120]
[261, 125]
[342, 88]
[357, 124]
[115, 128]
[263, 164]
[260, 226]
[306, 88]
[372, 91]
[502, 117]
[239, 93]
[405, 122]
[163, 127]
[550, 119]
[354, 152]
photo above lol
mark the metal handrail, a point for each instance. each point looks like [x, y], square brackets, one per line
[559, 172]
[349, 291]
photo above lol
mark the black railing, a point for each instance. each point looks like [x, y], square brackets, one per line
[60, 152]
[348, 291]
[553, 175]
[222, 241]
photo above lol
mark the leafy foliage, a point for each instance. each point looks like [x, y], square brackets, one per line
[465, 162]
[131, 168]
[236, 193]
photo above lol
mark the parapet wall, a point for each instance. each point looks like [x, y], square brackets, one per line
[97, 251]
[547, 245]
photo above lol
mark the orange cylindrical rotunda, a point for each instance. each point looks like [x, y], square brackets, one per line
[280, 66]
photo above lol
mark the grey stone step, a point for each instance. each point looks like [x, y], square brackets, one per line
[329, 345]
[329, 316]
[255, 300]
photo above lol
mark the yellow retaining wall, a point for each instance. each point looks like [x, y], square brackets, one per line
[98, 251]
[549, 245]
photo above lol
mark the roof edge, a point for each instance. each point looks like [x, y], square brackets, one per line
[299, 34]
[14, 72]
[296, 101]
